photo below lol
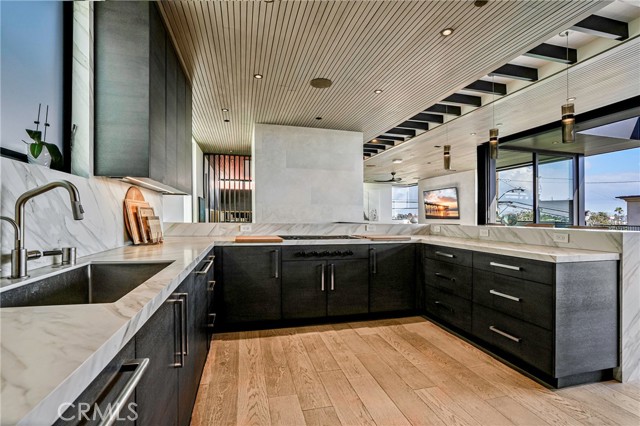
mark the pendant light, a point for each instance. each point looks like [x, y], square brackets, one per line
[493, 132]
[568, 109]
[447, 151]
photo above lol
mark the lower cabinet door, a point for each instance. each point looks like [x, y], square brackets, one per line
[304, 289]
[393, 277]
[347, 287]
[159, 340]
[102, 393]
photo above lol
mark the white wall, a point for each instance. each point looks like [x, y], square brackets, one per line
[378, 196]
[177, 208]
[467, 198]
[198, 179]
[306, 175]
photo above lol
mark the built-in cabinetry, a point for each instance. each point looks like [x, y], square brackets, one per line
[142, 98]
[175, 343]
[392, 283]
[558, 318]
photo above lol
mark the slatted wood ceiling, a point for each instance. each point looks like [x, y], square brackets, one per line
[360, 45]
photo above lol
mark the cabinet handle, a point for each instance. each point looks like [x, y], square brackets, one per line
[439, 253]
[332, 269]
[181, 352]
[212, 285]
[374, 261]
[444, 277]
[185, 297]
[322, 277]
[138, 366]
[205, 270]
[442, 305]
[506, 296]
[504, 334]
[213, 320]
[502, 265]
[212, 257]
[276, 267]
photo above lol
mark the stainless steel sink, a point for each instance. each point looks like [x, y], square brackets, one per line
[91, 283]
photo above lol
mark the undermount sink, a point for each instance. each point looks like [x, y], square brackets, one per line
[91, 283]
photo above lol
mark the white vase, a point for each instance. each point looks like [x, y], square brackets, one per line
[44, 159]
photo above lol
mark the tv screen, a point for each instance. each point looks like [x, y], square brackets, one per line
[441, 204]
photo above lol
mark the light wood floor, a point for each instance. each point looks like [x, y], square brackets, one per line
[389, 372]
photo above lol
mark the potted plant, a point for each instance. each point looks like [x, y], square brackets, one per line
[39, 151]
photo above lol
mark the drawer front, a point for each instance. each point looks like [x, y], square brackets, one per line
[530, 343]
[449, 255]
[451, 278]
[325, 252]
[449, 308]
[526, 300]
[526, 269]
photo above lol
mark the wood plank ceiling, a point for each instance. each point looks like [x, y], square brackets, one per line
[363, 46]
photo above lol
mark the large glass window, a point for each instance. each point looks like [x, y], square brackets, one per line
[404, 203]
[555, 189]
[514, 187]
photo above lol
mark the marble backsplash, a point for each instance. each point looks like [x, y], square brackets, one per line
[49, 221]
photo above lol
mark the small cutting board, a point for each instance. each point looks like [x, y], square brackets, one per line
[385, 237]
[258, 239]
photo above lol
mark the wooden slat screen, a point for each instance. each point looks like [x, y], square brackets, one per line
[230, 187]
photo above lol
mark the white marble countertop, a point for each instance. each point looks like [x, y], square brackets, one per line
[50, 354]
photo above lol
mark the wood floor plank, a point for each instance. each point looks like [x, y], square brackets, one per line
[378, 403]
[253, 402]
[445, 407]
[407, 371]
[309, 389]
[277, 374]
[286, 411]
[616, 398]
[363, 328]
[600, 410]
[348, 406]
[346, 359]
[320, 356]
[353, 340]
[630, 389]
[410, 404]
[199, 411]
[222, 396]
[515, 412]
[325, 416]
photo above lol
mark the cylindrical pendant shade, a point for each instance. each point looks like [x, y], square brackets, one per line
[493, 143]
[447, 157]
[568, 124]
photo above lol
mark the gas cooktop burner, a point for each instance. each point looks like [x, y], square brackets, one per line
[317, 237]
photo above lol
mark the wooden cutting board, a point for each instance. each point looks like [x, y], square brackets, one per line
[385, 237]
[258, 239]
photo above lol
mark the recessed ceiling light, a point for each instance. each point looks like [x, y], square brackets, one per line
[257, 76]
[437, 146]
[374, 140]
[480, 3]
[428, 162]
[321, 83]
[446, 32]
[318, 118]
[397, 161]
[555, 143]
[371, 165]
[226, 120]
[268, 1]
[571, 99]
[225, 109]
[472, 133]
[499, 124]
[377, 91]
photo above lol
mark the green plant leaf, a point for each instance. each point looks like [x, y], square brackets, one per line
[36, 149]
[36, 135]
[56, 156]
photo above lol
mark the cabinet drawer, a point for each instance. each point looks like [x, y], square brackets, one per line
[525, 269]
[450, 255]
[326, 252]
[451, 278]
[449, 308]
[530, 343]
[526, 300]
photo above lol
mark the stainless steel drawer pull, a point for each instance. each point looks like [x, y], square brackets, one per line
[205, 270]
[212, 317]
[212, 257]
[444, 277]
[506, 296]
[139, 366]
[450, 256]
[181, 352]
[333, 276]
[276, 264]
[185, 316]
[504, 334]
[502, 265]
[322, 277]
[212, 285]
[442, 305]
[374, 261]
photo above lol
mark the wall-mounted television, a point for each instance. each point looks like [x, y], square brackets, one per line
[441, 204]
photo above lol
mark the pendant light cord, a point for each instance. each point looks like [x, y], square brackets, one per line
[493, 103]
[567, 36]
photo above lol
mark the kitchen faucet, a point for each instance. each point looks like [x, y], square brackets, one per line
[20, 255]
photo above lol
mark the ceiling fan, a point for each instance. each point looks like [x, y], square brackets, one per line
[393, 178]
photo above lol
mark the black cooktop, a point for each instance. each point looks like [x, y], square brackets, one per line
[317, 237]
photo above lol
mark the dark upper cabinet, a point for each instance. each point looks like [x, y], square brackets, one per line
[142, 114]
[393, 277]
[251, 288]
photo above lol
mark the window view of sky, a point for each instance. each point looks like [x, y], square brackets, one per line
[608, 176]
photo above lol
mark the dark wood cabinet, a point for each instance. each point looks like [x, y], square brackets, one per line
[392, 282]
[251, 287]
[304, 289]
[142, 98]
[348, 287]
